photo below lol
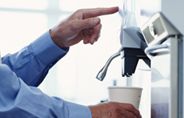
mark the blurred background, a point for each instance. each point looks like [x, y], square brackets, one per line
[73, 78]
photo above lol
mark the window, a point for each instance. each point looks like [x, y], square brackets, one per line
[19, 28]
[22, 4]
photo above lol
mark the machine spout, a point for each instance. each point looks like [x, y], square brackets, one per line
[130, 58]
[133, 45]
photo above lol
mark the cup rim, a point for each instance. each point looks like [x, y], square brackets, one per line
[124, 87]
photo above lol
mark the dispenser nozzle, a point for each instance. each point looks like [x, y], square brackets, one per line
[102, 73]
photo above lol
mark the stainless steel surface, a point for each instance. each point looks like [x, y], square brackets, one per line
[164, 86]
[164, 49]
[173, 9]
[160, 86]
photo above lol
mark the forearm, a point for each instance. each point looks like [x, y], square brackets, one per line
[21, 101]
[33, 62]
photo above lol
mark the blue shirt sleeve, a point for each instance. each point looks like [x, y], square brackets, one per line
[33, 62]
[18, 100]
[21, 72]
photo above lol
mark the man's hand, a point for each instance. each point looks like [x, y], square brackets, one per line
[83, 24]
[114, 110]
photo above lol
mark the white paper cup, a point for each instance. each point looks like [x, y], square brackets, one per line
[131, 95]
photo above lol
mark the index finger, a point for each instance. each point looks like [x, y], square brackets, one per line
[87, 13]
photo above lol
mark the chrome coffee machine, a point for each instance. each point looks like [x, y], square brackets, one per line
[132, 42]
[133, 46]
[166, 51]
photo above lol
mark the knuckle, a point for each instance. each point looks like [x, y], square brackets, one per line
[80, 11]
[72, 26]
[130, 106]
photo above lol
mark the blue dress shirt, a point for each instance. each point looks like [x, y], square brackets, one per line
[22, 72]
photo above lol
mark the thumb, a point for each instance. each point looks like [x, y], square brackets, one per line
[88, 23]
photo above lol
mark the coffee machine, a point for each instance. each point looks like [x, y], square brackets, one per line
[132, 42]
[161, 38]
[131, 53]
[132, 50]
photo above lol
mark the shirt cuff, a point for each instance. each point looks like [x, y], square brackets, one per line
[46, 50]
[78, 111]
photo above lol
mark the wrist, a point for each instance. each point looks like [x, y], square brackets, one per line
[58, 41]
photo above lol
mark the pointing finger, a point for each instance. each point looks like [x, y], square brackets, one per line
[87, 13]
